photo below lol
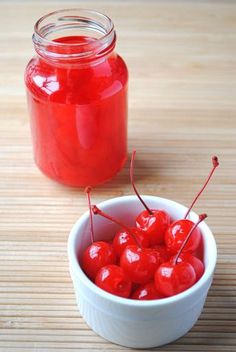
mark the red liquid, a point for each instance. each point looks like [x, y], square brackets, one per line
[78, 117]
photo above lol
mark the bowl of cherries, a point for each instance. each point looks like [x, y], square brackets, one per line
[141, 267]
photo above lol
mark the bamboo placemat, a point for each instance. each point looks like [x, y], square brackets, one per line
[182, 105]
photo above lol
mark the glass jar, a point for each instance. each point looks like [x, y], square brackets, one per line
[77, 98]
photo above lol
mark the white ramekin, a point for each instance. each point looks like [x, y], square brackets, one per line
[133, 323]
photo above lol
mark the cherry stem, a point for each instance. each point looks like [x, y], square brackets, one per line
[215, 163]
[88, 191]
[97, 211]
[133, 185]
[201, 218]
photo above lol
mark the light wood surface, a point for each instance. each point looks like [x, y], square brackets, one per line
[182, 106]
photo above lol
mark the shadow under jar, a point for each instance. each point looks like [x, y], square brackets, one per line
[77, 98]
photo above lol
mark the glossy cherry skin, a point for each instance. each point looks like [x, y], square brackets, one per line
[123, 239]
[196, 263]
[97, 255]
[139, 263]
[177, 233]
[113, 279]
[147, 292]
[171, 279]
[154, 225]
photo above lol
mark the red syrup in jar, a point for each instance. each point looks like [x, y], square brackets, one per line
[78, 112]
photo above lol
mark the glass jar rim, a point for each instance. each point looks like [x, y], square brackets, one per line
[90, 17]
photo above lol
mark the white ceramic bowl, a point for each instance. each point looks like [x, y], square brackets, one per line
[133, 323]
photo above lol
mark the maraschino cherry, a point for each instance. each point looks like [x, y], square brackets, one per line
[139, 263]
[154, 222]
[196, 263]
[178, 230]
[173, 279]
[177, 275]
[176, 234]
[162, 252]
[99, 253]
[113, 279]
[147, 292]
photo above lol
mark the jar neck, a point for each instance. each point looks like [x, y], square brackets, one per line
[74, 36]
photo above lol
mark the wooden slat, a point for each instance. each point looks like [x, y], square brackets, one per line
[182, 107]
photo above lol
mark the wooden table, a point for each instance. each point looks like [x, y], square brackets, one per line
[182, 106]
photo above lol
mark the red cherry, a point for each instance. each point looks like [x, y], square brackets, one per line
[147, 292]
[97, 255]
[163, 252]
[123, 239]
[171, 279]
[154, 222]
[157, 255]
[196, 263]
[113, 279]
[139, 263]
[176, 234]
[177, 275]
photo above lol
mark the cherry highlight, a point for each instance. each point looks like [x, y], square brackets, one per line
[201, 218]
[133, 184]
[215, 164]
